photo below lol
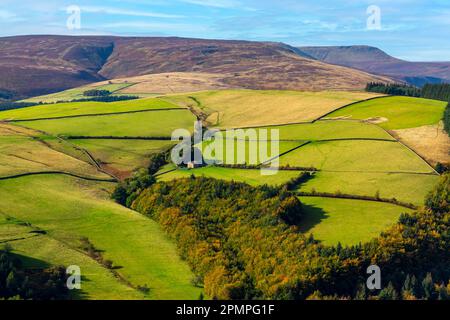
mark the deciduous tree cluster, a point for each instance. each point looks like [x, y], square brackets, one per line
[244, 242]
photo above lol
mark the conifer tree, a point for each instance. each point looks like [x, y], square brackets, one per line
[428, 287]
[388, 293]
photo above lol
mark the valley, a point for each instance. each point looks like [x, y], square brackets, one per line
[60, 163]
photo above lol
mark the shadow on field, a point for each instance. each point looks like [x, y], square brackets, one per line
[33, 263]
[80, 294]
[312, 216]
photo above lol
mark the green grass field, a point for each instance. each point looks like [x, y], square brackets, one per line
[68, 209]
[145, 124]
[325, 130]
[83, 108]
[410, 188]
[42, 251]
[357, 155]
[77, 93]
[243, 108]
[22, 154]
[66, 147]
[347, 221]
[244, 151]
[400, 112]
[166, 168]
[250, 176]
[13, 230]
[123, 155]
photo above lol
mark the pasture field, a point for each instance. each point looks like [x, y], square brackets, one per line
[326, 130]
[11, 130]
[431, 142]
[23, 154]
[83, 108]
[399, 112]
[13, 230]
[66, 147]
[353, 157]
[250, 176]
[245, 108]
[112, 87]
[405, 187]
[347, 221]
[42, 251]
[356, 155]
[69, 209]
[77, 93]
[144, 124]
[168, 83]
[256, 152]
[123, 155]
[166, 168]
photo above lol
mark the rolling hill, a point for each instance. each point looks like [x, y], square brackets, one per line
[36, 65]
[244, 108]
[61, 162]
[376, 61]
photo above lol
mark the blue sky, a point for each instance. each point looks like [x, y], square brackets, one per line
[410, 29]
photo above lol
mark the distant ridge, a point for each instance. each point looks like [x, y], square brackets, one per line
[36, 65]
[376, 61]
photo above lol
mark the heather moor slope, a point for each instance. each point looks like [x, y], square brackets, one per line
[36, 65]
[374, 60]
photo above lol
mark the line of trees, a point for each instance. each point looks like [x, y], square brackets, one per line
[395, 89]
[104, 99]
[8, 105]
[446, 119]
[96, 93]
[296, 182]
[439, 91]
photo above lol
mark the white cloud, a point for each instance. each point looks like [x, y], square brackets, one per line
[124, 12]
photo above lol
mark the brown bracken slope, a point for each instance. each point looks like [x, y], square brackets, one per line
[35, 65]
